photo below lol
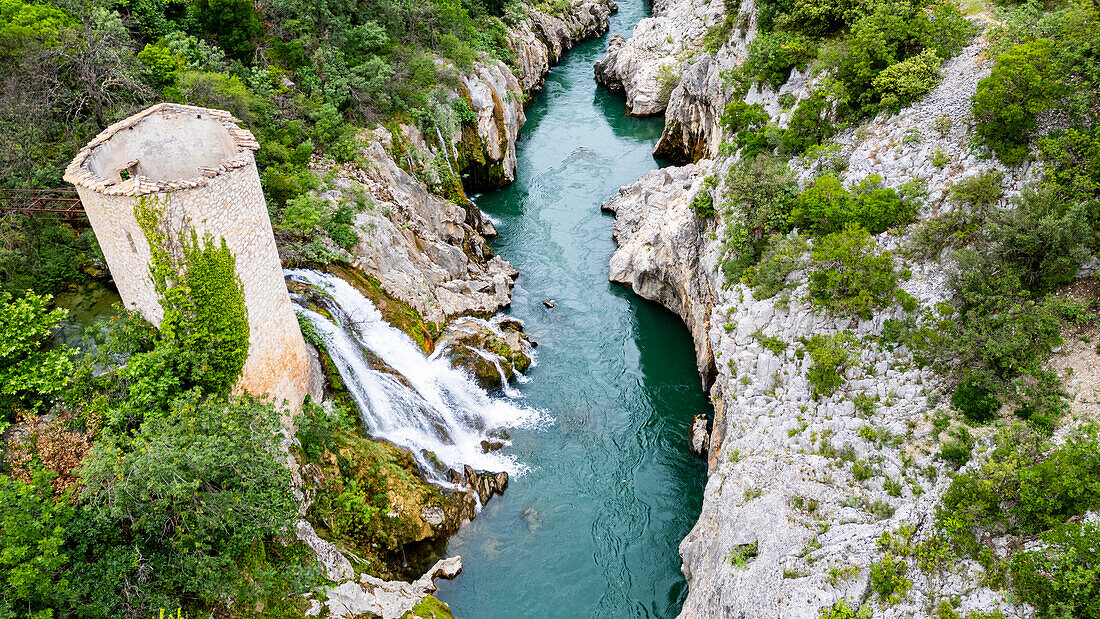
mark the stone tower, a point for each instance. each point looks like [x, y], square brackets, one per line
[198, 164]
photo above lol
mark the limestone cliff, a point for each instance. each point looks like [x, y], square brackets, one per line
[419, 235]
[646, 67]
[776, 492]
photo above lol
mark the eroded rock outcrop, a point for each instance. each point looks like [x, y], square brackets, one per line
[646, 67]
[788, 525]
[539, 43]
[374, 597]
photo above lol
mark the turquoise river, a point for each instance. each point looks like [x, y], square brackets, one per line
[592, 530]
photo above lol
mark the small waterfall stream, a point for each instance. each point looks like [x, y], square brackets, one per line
[424, 404]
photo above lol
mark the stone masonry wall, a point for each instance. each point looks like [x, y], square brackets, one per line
[226, 202]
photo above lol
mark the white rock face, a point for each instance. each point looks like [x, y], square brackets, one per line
[647, 66]
[496, 97]
[774, 476]
[388, 599]
[540, 42]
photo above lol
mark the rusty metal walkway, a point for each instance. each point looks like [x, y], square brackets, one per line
[62, 203]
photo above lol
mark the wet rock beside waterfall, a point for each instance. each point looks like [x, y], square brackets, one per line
[492, 351]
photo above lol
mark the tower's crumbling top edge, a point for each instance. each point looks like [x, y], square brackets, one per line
[79, 171]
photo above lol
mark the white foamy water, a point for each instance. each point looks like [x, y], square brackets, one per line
[428, 406]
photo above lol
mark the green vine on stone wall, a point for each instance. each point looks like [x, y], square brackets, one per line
[205, 316]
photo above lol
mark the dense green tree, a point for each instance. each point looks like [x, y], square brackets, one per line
[234, 23]
[31, 374]
[1024, 81]
[34, 562]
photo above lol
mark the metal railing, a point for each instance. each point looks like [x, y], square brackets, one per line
[63, 203]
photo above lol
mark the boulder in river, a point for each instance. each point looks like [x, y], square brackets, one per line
[698, 437]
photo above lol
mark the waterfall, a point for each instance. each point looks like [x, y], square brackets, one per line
[424, 404]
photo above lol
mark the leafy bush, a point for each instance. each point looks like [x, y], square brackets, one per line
[760, 190]
[183, 499]
[889, 580]
[33, 532]
[841, 610]
[973, 199]
[703, 202]
[1018, 491]
[975, 401]
[893, 33]
[719, 34]
[772, 55]
[809, 123]
[831, 355]
[783, 256]
[42, 255]
[826, 206]
[956, 451]
[1024, 82]
[1043, 239]
[1062, 580]
[903, 83]
[749, 125]
[847, 275]
[31, 375]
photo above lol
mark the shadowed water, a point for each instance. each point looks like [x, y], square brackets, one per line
[592, 530]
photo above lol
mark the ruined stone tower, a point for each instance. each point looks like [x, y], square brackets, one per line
[199, 167]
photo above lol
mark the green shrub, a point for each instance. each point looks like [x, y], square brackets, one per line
[1024, 81]
[760, 190]
[742, 554]
[973, 198]
[841, 610]
[784, 255]
[161, 66]
[809, 123]
[1044, 239]
[180, 502]
[893, 33]
[956, 451]
[1018, 491]
[220, 91]
[748, 124]
[1071, 163]
[668, 77]
[1062, 580]
[31, 375]
[862, 470]
[903, 83]
[826, 206]
[975, 401]
[719, 34]
[772, 55]
[889, 580]
[848, 276]
[831, 355]
[703, 202]
[33, 532]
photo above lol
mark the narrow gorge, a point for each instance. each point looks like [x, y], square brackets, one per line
[571, 308]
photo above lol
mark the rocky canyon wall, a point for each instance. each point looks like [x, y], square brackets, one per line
[787, 528]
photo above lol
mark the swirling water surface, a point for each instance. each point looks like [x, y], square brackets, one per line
[592, 529]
